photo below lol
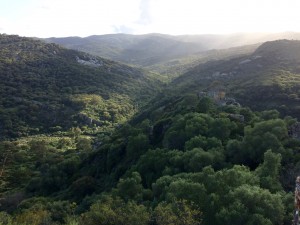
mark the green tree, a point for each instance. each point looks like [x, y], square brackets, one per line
[178, 212]
[33, 217]
[221, 128]
[5, 219]
[251, 205]
[114, 211]
[203, 142]
[130, 187]
[83, 186]
[268, 171]
[83, 144]
[39, 148]
[205, 105]
[137, 145]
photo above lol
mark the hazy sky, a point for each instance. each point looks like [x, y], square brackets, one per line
[48, 18]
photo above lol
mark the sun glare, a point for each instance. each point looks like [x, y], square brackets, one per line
[68, 18]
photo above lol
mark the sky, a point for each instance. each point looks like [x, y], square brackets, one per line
[61, 18]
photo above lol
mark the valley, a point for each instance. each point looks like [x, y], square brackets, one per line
[149, 129]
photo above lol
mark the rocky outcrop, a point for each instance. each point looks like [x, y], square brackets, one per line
[87, 120]
[89, 62]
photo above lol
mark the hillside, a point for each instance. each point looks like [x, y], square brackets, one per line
[179, 66]
[142, 50]
[265, 79]
[46, 87]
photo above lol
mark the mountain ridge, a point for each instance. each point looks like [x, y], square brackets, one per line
[126, 47]
[265, 79]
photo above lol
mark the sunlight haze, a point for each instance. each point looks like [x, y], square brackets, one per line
[59, 18]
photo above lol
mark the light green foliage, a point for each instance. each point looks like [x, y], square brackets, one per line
[36, 217]
[83, 144]
[5, 219]
[114, 211]
[177, 213]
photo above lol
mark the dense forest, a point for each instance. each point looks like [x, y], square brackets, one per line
[46, 88]
[85, 140]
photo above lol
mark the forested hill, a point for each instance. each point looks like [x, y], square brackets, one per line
[266, 79]
[152, 49]
[142, 50]
[45, 87]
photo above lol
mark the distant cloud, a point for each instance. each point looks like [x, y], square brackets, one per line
[123, 29]
[145, 17]
[47, 18]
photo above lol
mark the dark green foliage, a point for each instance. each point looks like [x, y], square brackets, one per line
[268, 171]
[137, 145]
[83, 186]
[130, 188]
[205, 105]
[258, 139]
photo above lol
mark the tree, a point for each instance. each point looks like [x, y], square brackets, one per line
[256, 141]
[83, 186]
[34, 217]
[39, 148]
[268, 171]
[205, 105]
[179, 212]
[114, 211]
[75, 132]
[7, 150]
[203, 142]
[83, 144]
[130, 187]
[189, 190]
[251, 205]
[137, 145]
[5, 218]
[221, 128]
